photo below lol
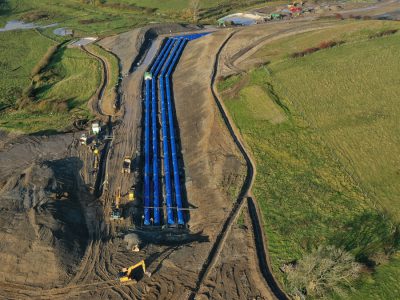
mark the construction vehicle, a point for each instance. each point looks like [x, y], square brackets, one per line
[133, 273]
[276, 16]
[96, 151]
[131, 195]
[96, 127]
[116, 213]
[96, 163]
[83, 139]
[296, 7]
[126, 165]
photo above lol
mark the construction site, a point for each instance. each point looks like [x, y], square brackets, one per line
[145, 201]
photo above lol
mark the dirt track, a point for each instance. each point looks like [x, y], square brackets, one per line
[51, 221]
[212, 164]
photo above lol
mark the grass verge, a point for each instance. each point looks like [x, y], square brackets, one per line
[59, 96]
[112, 62]
[323, 131]
[20, 51]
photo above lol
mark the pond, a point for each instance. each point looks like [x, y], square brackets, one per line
[15, 25]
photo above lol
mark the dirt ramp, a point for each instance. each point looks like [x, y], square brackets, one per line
[131, 46]
[211, 160]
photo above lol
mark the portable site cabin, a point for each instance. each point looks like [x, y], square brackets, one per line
[96, 127]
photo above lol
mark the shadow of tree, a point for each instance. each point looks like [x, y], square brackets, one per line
[5, 8]
[367, 235]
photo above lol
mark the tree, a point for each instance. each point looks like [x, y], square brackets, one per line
[4, 6]
[325, 270]
[92, 2]
[194, 8]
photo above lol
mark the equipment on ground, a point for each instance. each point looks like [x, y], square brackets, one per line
[131, 195]
[95, 149]
[83, 139]
[96, 163]
[295, 9]
[126, 165]
[133, 241]
[276, 16]
[133, 273]
[96, 152]
[116, 213]
[96, 127]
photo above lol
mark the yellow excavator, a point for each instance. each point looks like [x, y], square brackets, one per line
[116, 213]
[96, 160]
[131, 195]
[133, 273]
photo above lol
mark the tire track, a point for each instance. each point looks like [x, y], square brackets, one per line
[233, 61]
[97, 106]
[245, 193]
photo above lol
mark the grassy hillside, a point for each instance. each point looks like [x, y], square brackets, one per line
[113, 16]
[348, 95]
[20, 51]
[324, 133]
[111, 90]
[69, 68]
[60, 94]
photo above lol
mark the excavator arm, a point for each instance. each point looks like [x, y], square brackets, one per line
[128, 274]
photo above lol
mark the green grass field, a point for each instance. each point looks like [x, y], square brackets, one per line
[348, 95]
[346, 30]
[61, 93]
[69, 68]
[69, 82]
[115, 16]
[324, 133]
[19, 53]
[114, 69]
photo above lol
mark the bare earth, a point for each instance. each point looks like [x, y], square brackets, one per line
[56, 240]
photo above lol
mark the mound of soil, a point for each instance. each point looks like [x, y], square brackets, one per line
[43, 232]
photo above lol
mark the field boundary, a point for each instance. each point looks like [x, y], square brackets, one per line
[263, 257]
[96, 105]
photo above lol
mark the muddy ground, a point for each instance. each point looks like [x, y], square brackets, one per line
[56, 239]
[42, 224]
[62, 227]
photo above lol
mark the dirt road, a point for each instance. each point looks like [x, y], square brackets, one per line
[56, 240]
[213, 165]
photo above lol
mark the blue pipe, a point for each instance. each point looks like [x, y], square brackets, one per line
[160, 55]
[161, 62]
[147, 154]
[175, 166]
[164, 122]
[156, 188]
[148, 95]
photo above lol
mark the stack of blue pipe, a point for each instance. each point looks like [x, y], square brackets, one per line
[160, 72]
